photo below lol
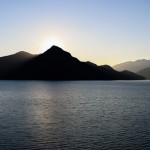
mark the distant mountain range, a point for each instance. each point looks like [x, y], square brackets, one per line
[141, 67]
[57, 64]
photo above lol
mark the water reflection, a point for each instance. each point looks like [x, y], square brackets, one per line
[74, 115]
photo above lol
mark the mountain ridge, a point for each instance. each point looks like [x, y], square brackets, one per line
[133, 66]
[57, 64]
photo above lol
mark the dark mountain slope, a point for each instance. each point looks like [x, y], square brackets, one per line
[132, 75]
[11, 62]
[57, 64]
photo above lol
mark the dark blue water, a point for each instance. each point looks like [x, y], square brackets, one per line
[107, 115]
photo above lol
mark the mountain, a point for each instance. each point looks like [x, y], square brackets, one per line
[11, 62]
[145, 73]
[133, 66]
[57, 64]
[130, 74]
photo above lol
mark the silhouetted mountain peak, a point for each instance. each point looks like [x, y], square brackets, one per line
[23, 54]
[91, 64]
[55, 50]
[56, 53]
[106, 67]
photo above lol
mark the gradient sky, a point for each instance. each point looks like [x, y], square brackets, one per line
[101, 31]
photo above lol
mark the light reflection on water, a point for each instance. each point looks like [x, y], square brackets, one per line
[74, 115]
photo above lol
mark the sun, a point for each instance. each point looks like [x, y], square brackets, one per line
[50, 42]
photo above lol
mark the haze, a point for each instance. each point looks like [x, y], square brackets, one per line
[102, 31]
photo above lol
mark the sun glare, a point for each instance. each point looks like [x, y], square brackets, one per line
[49, 43]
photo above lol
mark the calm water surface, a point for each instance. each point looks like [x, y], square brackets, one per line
[68, 115]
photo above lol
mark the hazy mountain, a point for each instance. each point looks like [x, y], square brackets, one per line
[145, 73]
[133, 66]
[57, 64]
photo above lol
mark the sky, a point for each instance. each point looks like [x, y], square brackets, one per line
[100, 31]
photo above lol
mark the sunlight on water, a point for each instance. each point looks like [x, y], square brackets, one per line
[74, 115]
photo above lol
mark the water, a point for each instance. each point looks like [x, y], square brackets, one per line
[68, 115]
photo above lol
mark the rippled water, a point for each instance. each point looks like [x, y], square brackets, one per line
[107, 115]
